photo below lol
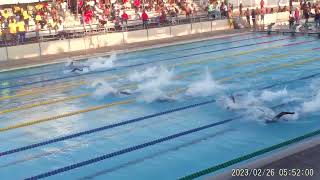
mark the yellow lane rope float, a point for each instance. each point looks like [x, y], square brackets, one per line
[29, 123]
[281, 66]
[179, 90]
[32, 91]
[42, 103]
[133, 86]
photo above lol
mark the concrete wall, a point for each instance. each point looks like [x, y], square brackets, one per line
[159, 33]
[23, 51]
[3, 54]
[181, 30]
[135, 36]
[109, 39]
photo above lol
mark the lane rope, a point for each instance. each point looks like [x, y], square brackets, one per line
[32, 146]
[185, 63]
[33, 122]
[250, 156]
[135, 65]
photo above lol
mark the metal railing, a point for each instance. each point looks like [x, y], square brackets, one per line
[71, 32]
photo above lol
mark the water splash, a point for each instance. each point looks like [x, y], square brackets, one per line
[268, 95]
[205, 87]
[138, 76]
[102, 89]
[103, 62]
[154, 89]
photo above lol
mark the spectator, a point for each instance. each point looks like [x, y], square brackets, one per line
[262, 13]
[317, 18]
[230, 22]
[21, 30]
[240, 9]
[297, 15]
[247, 13]
[26, 18]
[253, 18]
[210, 10]
[124, 18]
[145, 18]
[262, 4]
[12, 31]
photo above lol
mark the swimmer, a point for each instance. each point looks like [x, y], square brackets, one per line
[76, 68]
[278, 116]
[125, 92]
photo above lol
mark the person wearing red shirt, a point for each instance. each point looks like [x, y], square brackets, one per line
[137, 4]
[124, 18]
[144, 18]
[261, 4]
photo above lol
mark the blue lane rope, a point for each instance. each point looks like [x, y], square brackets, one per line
[24, 148]
[102, 128]
[135, 65]
[154, 54]
[127, 150]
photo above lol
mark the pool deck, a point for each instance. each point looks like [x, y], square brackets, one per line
[304, 155]
[77, 55]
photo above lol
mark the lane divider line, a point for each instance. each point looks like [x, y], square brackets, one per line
[27, 93]
[29, 123]
[103, 128]
[185, 63]
[138, 64]
[250, 156]
[227, 37]
[42, 103]
[71, 136]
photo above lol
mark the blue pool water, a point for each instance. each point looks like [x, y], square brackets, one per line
[182, 87]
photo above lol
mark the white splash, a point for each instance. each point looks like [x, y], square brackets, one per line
[102, 62]
[205, 87]
[102, 89]
[153, 89]
[138, 76]
[267, 95]
[313, 105]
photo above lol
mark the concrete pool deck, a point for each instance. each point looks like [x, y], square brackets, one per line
[105, 51]
[303, 155]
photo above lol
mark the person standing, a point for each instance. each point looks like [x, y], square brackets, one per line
[262, 13]
[261, 4]
[13, 31]
[21, 30]
[124, 19]
[145, 19]
[247, 13]
[317, 18]
[297, 15]
[253, 18]
[240, 9]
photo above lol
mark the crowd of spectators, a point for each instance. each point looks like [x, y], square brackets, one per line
[18, 19]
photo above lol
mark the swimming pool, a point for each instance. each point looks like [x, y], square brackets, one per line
[160, 113]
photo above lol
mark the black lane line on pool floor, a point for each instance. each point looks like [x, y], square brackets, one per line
[24, 148]
[137, 147]
[104, 128]
[155, 54]
[135, 65]
[159, 153]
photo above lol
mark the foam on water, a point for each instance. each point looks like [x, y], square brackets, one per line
[205, 87]
[268, 95]
[154, 88]
[102, 89]
[138, 76]
[102, 62]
